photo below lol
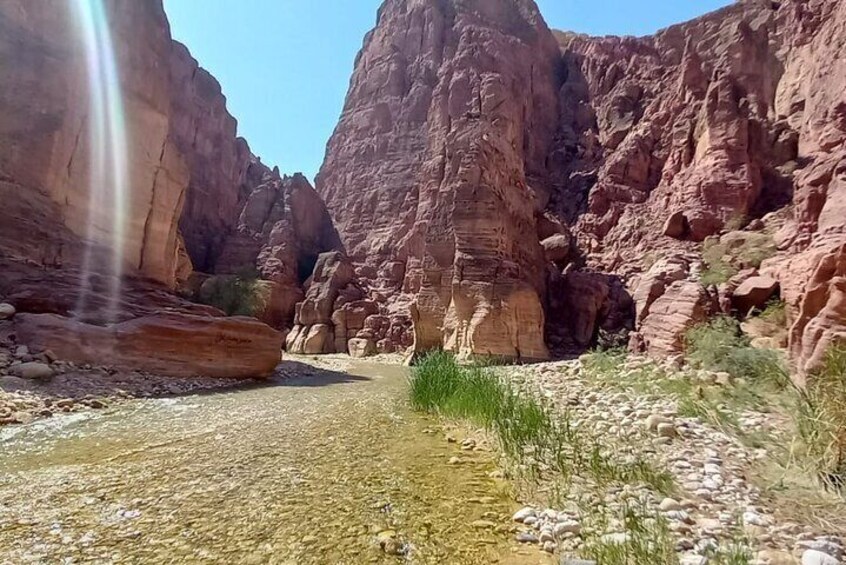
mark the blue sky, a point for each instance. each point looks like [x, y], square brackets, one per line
[284, 65]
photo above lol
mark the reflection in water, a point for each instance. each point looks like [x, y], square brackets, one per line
[108, 172]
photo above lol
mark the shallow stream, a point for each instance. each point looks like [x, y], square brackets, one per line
[313, 469]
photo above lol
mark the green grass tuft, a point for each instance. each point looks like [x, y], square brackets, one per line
[821, 419]
[648, 540]
[720, 346]
[528, 429]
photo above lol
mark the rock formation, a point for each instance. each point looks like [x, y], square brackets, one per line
[492, 186]
[707, 125]
[197, 198]
[178, 345]
[433, 170]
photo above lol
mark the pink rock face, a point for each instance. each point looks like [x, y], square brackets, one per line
[821, 319]
[668, 139]
[315, 326]
[683, 305]
[170, 344]
[754, 292]
[446, 127]
[203, 132]
[45, 139]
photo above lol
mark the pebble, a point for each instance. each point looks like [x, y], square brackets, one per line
[653, 421]
[526, 537]
[667, 430]
[668, 505]
[567, 527]
[7, 311]
[814, 557]
[523, 513]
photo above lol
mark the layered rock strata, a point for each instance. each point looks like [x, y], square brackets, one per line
[733, 120]
[432, 170]
[169, 344]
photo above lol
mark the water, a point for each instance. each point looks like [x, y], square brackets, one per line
[108, 169]
[308, 471]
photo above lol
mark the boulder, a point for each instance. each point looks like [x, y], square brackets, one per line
[683, 305]
[556, 248]
[652, 285]
[361, 347]
[170, 344]
[675, 226]
[754, 292]
[33, 371]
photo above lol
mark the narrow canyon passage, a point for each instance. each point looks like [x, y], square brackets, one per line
[306, 470]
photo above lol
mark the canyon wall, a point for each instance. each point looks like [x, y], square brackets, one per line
[197, 198]
[430, 175]
[45, 135]
[497, 187]
[731, 122]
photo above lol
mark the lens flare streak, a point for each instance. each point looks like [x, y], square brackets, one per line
[108, 182]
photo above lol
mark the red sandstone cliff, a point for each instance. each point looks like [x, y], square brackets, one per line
[429, 175]
[467, 139]
[705, 127]
[195, 192]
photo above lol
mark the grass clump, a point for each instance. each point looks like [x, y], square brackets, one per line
[724, 257]
[236, 295]
[720, 346]
[774, 313]
[441, 385]
[528, 429]
[822, 418]
[645, 539]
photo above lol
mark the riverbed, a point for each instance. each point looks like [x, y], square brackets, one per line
[326, 466]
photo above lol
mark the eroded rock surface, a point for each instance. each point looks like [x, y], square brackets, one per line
[433, 167]
[171, 344]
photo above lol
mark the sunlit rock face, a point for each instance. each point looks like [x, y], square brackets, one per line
[46, 136]
[669, 139]
[431, 173]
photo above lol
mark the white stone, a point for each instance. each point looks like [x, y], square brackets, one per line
[6, 311]
[569, 526]
[668, 505]
[523, 513]
[754, 519]
[814, 557]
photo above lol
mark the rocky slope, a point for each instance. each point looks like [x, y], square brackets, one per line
[706, 127]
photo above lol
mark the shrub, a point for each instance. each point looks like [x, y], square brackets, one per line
[822, 418]
[236, 295]
[724, 257]
[720, 346]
